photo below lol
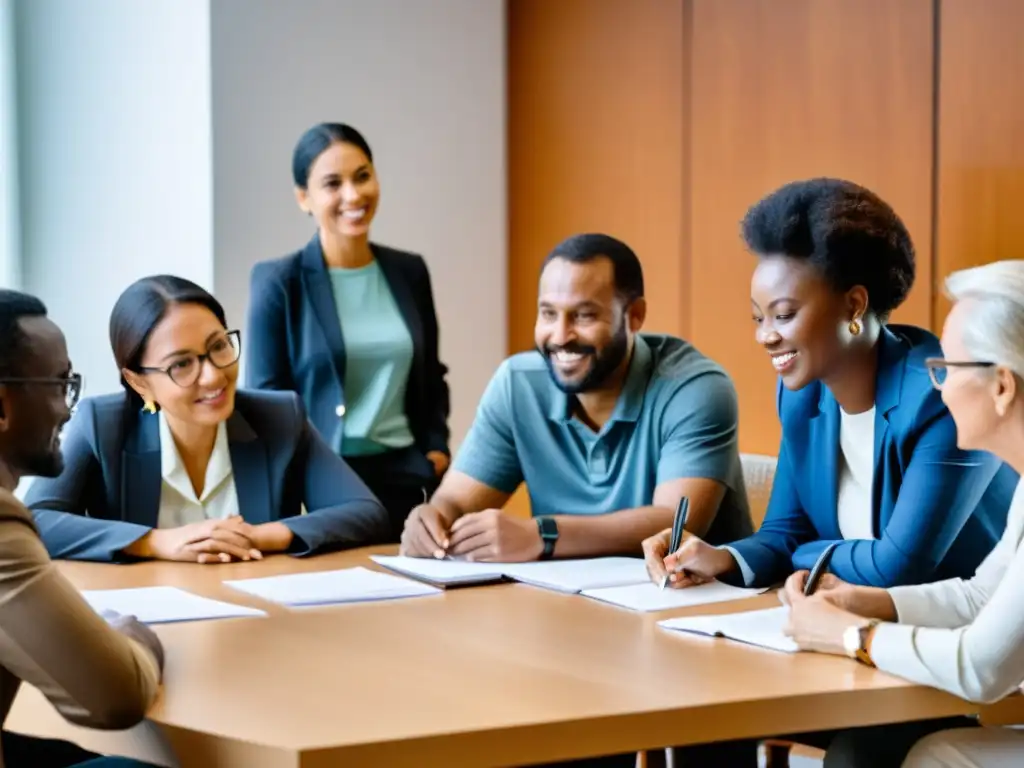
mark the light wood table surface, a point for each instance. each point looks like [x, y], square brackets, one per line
[492, 675]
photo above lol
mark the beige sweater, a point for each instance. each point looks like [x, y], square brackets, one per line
[51, 638]
[963, 636]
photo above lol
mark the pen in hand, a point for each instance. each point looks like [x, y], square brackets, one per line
[678, 524]
[819, 569]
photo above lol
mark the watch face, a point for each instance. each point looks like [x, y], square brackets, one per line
[851, 640]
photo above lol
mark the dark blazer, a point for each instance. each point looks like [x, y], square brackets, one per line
[108, 495]
[937, 510]
[295, 340]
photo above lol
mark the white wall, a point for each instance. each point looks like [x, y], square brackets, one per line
[424, 81]
[115, 150]
[10, 263]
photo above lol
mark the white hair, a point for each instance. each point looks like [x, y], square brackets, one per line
[993, 329]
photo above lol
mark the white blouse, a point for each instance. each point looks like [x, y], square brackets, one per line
[856, 474]
[178, 502]
[963, 636]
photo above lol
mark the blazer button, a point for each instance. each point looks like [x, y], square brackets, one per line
[340, 411]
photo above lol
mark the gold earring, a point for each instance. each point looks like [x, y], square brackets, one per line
[149, 406]
[855, 327]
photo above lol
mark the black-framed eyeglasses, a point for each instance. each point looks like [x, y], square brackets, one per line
[72, 384]
[938, 368]
[223, 352]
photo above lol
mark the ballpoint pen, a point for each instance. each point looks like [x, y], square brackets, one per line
[678, 524]
[819, 569]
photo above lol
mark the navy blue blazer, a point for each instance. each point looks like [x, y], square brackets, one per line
[108, 495]
[295, 341]
[937, 510]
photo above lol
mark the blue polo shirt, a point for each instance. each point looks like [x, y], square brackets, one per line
[676, 418]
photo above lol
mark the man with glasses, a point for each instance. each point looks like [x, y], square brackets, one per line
[102, 672]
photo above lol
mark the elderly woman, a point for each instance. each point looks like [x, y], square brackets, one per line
[964, 636]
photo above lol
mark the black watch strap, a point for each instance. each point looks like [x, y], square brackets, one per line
[548, 528]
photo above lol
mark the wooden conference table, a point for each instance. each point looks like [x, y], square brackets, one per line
[480, 676]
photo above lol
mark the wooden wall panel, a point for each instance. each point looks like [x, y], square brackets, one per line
[981, 137]
[595, 142]
[789, 89]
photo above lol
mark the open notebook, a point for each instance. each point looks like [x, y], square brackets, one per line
[763, 628]
[621, 581]
[568, 576]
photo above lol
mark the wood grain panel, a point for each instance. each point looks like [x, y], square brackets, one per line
[596, 136]
[981, 137]
[790, 89]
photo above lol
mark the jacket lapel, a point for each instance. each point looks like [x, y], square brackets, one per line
[825, 433]
[317, 283]
[251, 470]
[406, 301]
[140, 479]
[888, 388]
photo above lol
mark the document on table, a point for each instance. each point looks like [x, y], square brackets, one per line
[348, 585]
[569, 576]
[763, 628]
[578, 575]
[157, 605]
[648, 596]
[443, 573]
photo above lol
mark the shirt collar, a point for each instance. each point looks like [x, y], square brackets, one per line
[631, 399]
[172, 468]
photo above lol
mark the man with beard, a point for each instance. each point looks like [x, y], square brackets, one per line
[102, 672]
[607, 427]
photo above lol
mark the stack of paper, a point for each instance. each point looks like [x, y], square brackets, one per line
[763, 628]
[349, 585]
[155, 605]
[649, 597]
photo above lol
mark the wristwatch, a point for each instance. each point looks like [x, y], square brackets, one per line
[548, 528]
[857, 642]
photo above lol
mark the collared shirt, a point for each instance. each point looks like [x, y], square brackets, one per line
[675, 418]
[179, 504]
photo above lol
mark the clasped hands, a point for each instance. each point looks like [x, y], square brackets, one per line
[816, 623]
[213, 541]
[486, 536]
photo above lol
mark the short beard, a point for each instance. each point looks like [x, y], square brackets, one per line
[605, 363]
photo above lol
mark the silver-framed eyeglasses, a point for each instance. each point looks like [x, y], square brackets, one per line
[222, 352]
[71, 383]
[938, 368]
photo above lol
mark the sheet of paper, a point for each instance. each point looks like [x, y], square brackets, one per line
[577, 575]
[648, 597]
[156, 605]
[348, 585]
[763, 628]
[447, 573]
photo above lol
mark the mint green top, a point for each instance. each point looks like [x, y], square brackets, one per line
[378, 356]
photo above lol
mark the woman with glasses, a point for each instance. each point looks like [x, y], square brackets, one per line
[181, 466]
[350, 325]
[962, 635]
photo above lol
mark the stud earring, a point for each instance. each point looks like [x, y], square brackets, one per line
[855, 327]
[149, 406]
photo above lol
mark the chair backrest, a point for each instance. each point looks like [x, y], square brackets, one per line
[758, 474]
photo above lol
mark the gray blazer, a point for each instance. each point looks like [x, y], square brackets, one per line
[108, 495]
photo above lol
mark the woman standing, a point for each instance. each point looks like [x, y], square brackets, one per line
[350, 325]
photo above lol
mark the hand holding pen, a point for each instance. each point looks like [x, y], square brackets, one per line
[691, 562]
